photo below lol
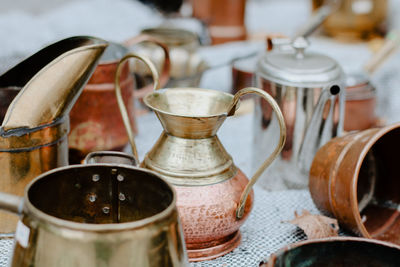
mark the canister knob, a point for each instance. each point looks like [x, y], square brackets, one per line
[300, 44]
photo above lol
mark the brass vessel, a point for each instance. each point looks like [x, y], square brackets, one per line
[95, 215]
[33, 135]
[214, 196]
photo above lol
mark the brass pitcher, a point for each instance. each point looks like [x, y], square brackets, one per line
[214, 196]
[39, 93]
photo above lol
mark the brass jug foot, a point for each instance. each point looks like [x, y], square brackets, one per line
[216, 250]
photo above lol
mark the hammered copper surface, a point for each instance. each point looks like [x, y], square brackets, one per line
[27, 152]
[113, 216]
[333, 252]
[354, 178]
[214, 197]
[208, 216]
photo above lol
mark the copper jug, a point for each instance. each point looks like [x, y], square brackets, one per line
[37, 95]
[214, 196]
[95, 120]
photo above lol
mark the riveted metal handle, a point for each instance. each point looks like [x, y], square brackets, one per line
[275, 153]
[118, 93]
[110, 157]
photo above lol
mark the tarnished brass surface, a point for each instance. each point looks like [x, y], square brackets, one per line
[214, 197]
[114, 215]
[54, 88]
[33, 136]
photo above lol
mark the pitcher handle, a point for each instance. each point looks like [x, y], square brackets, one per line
[11, 203]
[165, 73]
[275, 153]
[118, 93]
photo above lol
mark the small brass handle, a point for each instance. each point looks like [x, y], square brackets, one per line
[275, 153]
[121, 104]
[165, 72]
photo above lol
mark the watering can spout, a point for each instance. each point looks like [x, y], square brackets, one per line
[51, 81]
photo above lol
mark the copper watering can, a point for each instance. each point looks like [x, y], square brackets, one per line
[40, 91]
[214, 196]
[97, 215]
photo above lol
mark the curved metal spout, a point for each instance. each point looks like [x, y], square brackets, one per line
[51, 81]
[318, 129]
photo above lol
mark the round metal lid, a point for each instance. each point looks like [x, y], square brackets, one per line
[300, 69]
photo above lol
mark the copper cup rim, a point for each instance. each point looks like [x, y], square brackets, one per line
[327, 240]
[353, 196]
[29, 208]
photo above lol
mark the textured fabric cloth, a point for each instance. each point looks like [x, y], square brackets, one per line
[263, 233]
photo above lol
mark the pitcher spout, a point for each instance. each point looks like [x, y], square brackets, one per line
[51, 81]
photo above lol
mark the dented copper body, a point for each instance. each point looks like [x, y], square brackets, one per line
[33, 135]
[354, 178]
[214, 196]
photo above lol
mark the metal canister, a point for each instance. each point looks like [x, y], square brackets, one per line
[308, 88]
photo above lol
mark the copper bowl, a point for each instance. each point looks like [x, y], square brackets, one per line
[333, 252]
[354, 178]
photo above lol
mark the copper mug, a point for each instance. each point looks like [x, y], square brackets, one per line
[354, 178]
[214, 196]
[338, 251]
[95, 121]
[97, 215]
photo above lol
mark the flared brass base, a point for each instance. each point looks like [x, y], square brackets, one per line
[209, 253]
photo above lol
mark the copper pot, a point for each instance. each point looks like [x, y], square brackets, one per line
[354, 178]
[225, 19]
[360, 103]
[339, 251]
[95, 120]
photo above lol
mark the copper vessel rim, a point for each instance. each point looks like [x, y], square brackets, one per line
[107, 227]
[332, 239]
[353, 197]
[191, 116]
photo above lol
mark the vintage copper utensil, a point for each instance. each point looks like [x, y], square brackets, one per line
[95, 120]
[97, 215]
[360, 91]
[33, 135]
[339, 251]
[354, 178]
[214, 196]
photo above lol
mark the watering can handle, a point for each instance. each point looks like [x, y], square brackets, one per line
[118, 93]
[275, 153]
[165, 72]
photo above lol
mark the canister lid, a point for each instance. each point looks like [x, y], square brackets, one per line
[300, 69]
